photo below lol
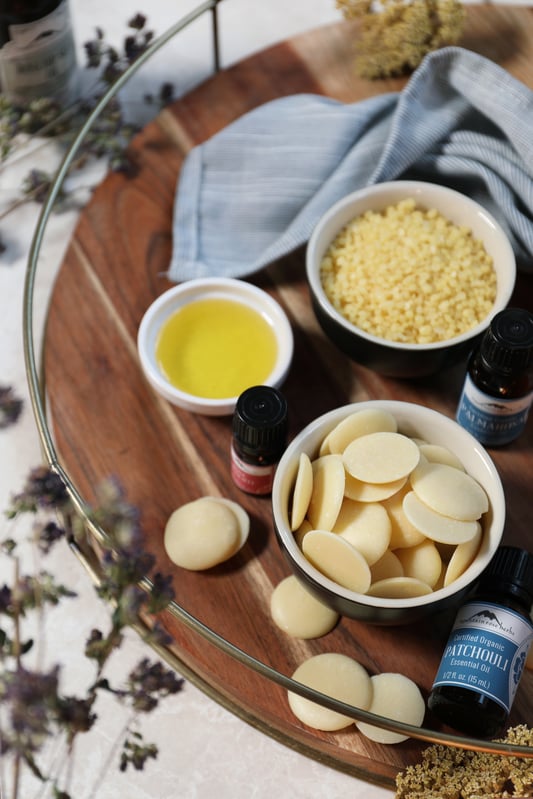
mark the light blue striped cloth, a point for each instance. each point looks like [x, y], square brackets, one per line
[253, 192]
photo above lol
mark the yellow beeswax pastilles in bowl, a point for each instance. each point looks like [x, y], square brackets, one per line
[404, 276]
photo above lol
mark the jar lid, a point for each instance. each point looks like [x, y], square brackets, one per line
[510, 570]
[260, 421]
[508, 343]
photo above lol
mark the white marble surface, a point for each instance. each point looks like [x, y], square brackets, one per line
[204, 749]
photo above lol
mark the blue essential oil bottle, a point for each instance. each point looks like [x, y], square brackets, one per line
[484, 658]
[498, 387]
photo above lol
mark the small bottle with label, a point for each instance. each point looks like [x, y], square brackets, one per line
[484, 658]
[37, 51]
[498, 388]
[260, 426]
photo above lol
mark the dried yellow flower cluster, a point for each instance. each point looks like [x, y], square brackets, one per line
[397, 34]
[447, 773]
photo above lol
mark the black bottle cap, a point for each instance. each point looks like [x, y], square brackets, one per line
[260, 422]
[510, 571]
[507, 345]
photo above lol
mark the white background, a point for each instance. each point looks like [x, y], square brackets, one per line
[204, 750]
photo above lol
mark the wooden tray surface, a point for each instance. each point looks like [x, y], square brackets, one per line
[107, 421]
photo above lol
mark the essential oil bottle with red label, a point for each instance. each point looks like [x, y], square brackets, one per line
[260, 425]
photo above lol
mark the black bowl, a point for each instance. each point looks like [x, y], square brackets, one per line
[391, 358]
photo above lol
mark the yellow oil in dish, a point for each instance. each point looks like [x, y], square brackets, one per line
[216, 348]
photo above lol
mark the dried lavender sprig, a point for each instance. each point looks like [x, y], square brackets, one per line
[148, 683]
[110, 135]
[43, 489]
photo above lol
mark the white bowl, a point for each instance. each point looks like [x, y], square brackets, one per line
[203, 288]
[413, 420]
[392, 358]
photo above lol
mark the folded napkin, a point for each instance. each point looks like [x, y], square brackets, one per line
[253, 192]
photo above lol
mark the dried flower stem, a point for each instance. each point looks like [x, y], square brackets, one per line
[16, 651]
[109, 137]
[36, 708]
[113, 750]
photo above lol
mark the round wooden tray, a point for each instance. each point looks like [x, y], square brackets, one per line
[106, 420]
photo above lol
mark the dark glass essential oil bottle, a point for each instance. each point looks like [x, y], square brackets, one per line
[260, 427]
[484, 658]
[498, 388]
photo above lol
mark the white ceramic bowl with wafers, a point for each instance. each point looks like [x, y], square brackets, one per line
[420, 423]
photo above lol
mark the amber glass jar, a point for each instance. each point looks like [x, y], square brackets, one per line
[37, 51]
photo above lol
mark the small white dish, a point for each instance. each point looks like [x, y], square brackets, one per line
[192, 291]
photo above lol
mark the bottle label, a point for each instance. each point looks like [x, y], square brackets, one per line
[251, 478]
[40, 59]
[492, 420]
[486, 651]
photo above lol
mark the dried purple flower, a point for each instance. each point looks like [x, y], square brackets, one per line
[75, 715]
[132, 48]
[98, 647]
[48, 535]
[10, 406]
[30, 700]
[162, 592]
[137, 22]
[113, 63]
[44, 589]
[36, 185]
[44, 488]
[132, 598]
[158, 636]
[136, 753]
[149, 682]
[8, 546]
[93, 53]
[94, 645]
[116, 515]
[6, 601]
[111, 72]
